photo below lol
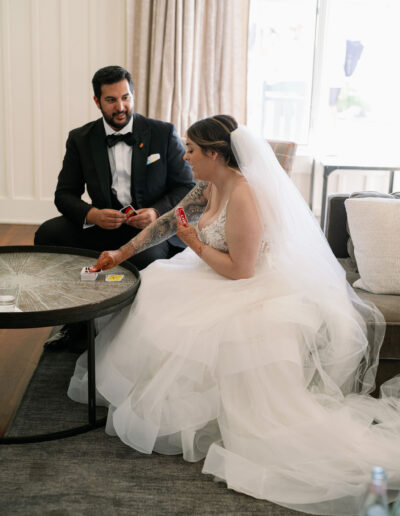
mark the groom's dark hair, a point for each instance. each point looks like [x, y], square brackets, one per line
[110, 75]
[214, 133]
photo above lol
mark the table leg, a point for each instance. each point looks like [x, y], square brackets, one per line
[312, 179]
[326, 172]
[92, 421]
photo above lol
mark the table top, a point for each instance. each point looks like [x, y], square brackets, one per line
[51, 290]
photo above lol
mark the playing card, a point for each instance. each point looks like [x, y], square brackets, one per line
[114, 277]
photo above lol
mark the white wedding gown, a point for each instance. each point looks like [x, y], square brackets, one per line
[240, 374]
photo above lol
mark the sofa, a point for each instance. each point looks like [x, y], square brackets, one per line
[337, 234]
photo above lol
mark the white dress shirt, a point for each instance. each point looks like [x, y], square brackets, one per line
[120, 156]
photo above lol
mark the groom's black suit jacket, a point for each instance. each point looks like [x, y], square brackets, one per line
[160, 185]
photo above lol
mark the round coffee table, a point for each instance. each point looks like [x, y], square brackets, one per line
[51, 293]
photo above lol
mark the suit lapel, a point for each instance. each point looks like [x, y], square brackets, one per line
[141, 132]
[100, 158]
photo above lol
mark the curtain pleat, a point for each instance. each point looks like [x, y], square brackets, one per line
[188, 58]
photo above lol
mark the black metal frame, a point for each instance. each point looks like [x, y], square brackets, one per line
[85, 313]
[327, 171]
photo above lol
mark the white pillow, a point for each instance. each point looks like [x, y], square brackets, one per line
[374, 225]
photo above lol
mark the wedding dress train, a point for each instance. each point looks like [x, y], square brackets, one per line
[259, 376]
[210, 367]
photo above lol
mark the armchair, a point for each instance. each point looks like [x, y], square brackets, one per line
[285, 152]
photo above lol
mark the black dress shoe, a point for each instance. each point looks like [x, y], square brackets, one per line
[57, 341]
[70, 337]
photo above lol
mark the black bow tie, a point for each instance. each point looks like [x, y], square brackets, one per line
[113, 139]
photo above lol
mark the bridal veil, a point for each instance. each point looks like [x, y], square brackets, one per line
[317, 433]
[344, 357]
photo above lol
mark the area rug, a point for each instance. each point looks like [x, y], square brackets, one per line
[95, 474]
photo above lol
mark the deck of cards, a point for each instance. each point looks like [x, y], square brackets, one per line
[129, 211]
[89, 273]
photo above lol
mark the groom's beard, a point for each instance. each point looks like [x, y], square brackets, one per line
[114, 123]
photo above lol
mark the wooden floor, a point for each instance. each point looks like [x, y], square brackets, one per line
[20, 350]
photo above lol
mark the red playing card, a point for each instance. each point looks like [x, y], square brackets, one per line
[129, 211]
[180, 213]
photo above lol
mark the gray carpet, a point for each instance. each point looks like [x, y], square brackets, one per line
[95, 474]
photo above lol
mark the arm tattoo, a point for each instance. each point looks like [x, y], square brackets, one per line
[194, 203]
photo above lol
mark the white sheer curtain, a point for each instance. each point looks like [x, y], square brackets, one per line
[188, 58]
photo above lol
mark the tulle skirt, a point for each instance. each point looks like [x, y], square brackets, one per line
[255, 380]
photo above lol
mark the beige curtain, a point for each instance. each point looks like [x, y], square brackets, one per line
[188, 58]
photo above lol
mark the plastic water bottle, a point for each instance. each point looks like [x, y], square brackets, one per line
[376, 503]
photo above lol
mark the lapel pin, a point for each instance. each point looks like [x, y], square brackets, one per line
[141, 144]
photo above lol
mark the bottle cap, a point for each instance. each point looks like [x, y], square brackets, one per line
[378, 473]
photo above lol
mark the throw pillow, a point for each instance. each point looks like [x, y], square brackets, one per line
[374, 228]
[361, 195]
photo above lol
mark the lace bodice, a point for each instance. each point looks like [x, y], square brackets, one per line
[214, 234]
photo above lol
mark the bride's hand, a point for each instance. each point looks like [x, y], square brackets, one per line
[110, 259]
[188, 234]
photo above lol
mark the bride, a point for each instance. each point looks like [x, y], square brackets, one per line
[249, 348]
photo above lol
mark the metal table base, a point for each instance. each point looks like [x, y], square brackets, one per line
[62, 299]
[93, 422]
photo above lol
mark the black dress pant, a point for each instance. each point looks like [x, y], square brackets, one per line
[62, 232]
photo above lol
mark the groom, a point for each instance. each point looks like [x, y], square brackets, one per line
[120, 159]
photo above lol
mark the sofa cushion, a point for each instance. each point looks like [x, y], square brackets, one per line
[374, 224]
[388, 304]
[335, 226]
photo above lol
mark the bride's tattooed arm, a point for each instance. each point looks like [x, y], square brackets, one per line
[164, 227]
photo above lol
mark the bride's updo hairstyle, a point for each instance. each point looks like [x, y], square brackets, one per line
[214, 133]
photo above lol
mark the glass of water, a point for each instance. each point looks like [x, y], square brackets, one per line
[8, 298]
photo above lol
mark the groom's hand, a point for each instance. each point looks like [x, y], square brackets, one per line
[143, 218]
[106, 219]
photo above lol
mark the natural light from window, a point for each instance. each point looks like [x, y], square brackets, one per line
[326, 74]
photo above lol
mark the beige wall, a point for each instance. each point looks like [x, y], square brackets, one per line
[49, 50]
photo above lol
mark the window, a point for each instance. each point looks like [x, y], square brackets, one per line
[281, 49]
[324, 72]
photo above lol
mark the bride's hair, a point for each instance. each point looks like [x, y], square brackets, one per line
[214, 133]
